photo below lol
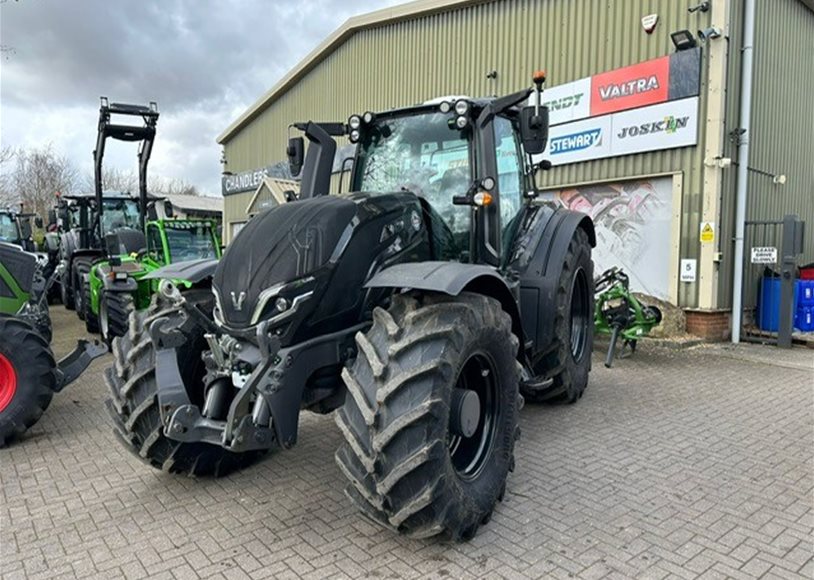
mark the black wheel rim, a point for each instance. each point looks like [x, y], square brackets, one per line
[470, 454]
[580, 314]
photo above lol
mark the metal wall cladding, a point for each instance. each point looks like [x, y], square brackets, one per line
[782, 120]
[450, 53]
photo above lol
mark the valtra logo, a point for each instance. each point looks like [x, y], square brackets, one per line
[640, 85]
[626, 89]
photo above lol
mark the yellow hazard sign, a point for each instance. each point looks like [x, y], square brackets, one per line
[707, 232]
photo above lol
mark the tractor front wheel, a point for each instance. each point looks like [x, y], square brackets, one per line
[27, 377]
[430, 418]
[114, 312]
[133, 401]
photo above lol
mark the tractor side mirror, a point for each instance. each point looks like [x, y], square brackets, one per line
[52, 217]
[296, 154]
[152, 214]
[38, 222]
[169, 210]
[534, 129]
[64, 214]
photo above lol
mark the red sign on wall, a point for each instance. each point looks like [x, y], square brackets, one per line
[642, 84]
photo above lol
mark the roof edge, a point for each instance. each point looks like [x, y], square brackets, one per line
[350, 27]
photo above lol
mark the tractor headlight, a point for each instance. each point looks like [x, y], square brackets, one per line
[368, 117]
[354, 122]
[461, 107]
[445, 107]
[354, 136]
[461, 122]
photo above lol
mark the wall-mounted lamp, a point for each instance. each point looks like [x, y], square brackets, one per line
[779, 179]
[709, 33]
[700, 7]
[683, 39]
[720, 162]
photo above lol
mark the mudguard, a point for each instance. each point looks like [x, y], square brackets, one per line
[452, 278]
[193, 271]
[538, 256]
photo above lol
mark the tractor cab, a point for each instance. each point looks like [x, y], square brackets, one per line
[9, 228]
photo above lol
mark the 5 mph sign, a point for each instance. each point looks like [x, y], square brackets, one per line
[764, 255]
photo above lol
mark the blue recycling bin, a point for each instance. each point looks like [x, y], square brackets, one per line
[768, 305]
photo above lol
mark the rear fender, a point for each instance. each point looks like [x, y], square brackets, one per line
[451, 278]
[547, 237]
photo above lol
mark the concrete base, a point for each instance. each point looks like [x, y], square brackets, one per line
[711, 325]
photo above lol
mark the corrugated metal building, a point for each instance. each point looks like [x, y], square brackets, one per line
[421, 50]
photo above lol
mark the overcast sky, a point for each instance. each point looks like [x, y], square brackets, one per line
[203, 61]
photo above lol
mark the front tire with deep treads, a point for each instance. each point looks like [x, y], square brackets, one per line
[133, 400]
[408, 468]
[567, 362]
[114, 313]
[27, 377]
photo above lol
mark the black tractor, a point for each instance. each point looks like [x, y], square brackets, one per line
[92, 222]
[422, 307]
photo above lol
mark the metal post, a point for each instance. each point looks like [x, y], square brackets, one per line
[792, 246]
[743, 166]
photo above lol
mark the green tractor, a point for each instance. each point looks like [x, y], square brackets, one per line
[82, 235]
[125, 250]
[118, 285]
[29, 375]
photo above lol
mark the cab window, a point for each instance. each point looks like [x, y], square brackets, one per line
[154, 245]
[510, 174]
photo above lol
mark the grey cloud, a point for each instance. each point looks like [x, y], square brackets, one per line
[204, 61]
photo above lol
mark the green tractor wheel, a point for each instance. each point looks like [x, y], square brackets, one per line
[114, 312]
[27, 377]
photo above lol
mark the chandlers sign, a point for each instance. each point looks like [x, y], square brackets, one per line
[645, 107]
[668, 78]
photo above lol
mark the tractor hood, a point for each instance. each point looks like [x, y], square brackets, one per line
[280, 245]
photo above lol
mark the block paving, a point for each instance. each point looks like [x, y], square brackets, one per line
[693, 463]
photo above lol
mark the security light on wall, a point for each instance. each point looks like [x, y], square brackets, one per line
[683, 39]
[709, 33]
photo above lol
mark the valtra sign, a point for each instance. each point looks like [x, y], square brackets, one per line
[630, 87]
[667, 78]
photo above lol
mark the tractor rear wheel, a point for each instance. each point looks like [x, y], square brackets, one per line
[27, 377]
[133, 400]
[114, 312]
[430, 418]
[568, 361]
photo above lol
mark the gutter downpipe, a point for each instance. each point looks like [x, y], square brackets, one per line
[743, 166]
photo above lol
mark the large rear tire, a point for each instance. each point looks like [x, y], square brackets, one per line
[422, 453]
[114, 313]
[568, 360]
[27, 377]
[133, 400]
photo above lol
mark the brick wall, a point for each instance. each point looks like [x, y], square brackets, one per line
[709, 325]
